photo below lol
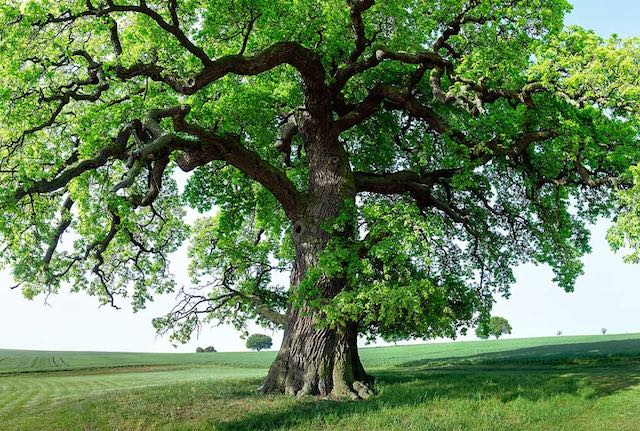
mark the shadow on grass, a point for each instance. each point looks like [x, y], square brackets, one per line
[571, 353]
[525, 373]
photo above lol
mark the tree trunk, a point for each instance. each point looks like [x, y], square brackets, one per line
[314, 360]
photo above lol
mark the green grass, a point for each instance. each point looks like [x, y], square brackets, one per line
[559, 383]
[547, 350]
[20, 361]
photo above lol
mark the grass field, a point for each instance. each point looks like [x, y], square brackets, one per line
[559, 383]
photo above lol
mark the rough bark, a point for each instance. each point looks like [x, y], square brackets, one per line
[315, 360]
[321, 362]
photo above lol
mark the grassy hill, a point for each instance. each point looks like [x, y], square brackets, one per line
[559, 383]
[537, 350]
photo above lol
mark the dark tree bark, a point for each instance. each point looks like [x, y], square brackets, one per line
[315, 360]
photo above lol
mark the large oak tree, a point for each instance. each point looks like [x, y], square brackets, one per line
[398, 157]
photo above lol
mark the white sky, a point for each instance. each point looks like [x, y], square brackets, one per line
[606, 296]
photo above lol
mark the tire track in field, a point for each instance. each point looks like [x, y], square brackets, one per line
[34, 362]
[23, 392]
[19, 401]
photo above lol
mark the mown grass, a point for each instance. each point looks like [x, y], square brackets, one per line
[21, 393]
[587, 384]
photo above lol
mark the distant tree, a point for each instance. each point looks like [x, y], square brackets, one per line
[199, 350]
[559, 333]
[499, 326]
[392, 339]
[259, 342]
[496, 326]
[604, 331]
[210, 349]
[482, 332]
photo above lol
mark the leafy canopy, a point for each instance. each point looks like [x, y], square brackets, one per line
[259, 342]
[496, 326]
[481, 134]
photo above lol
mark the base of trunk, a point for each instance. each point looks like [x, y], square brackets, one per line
[320, 362]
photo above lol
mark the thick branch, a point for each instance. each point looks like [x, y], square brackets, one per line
[142, 8]
[455, 26]
[230, 149]
[60, 181]
[398, 99]
[426, 59]
[418, 186]
[358, 8]
[304, 60]
[400, 182]
[288, 130]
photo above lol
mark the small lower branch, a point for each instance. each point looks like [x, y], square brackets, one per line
[65, 222]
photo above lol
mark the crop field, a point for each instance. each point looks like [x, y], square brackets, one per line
[560, 383]
[21, 361]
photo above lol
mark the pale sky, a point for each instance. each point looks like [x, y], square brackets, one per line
[606, 296]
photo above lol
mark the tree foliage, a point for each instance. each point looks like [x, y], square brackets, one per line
[479, 135]
[496, 326]
[259, 342]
